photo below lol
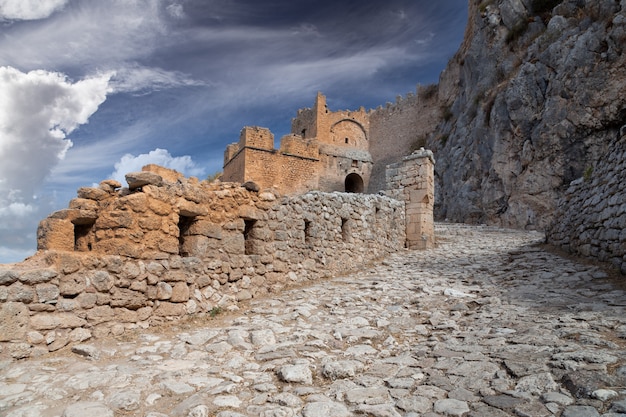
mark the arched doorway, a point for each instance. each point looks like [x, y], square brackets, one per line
[354, 183]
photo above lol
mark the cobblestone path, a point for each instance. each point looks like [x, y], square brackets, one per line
[487, 324]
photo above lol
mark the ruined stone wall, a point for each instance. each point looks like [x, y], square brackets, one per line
[413, 182]
[157, 250]
[399, 128]
[591, 217]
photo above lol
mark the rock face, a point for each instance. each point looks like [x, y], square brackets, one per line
[532, 101]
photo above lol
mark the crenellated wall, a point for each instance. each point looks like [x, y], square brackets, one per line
[168, 246]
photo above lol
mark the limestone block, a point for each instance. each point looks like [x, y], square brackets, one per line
[206, 228]
[21, 293]
[100, 314]
[101, 281]
[50, 321]
[38, 276]
[87, 300]
[150, 222]
[115, 219]
[83, 204]
[14, 319]
[166, 309]
[159, 207]
[133, 300]
[110, 186]
[169, 245]
[169, 175]
[120, 247]
[163, 291]
[251, 213]
[55, 234]
[180, 293]
[8, 276]
[72, 285]
[91, 193]
[190, 209]
[137, 202]
[140, 179]
[196, 245]
[47, 293]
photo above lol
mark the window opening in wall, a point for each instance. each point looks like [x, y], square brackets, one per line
[345, 229]
[355, 163]
[303, 133]
[83, 237]
[248, 235]
[184, 223]
[347, 141]
[354, 183]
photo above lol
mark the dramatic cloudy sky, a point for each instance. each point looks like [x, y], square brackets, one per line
[93, 89]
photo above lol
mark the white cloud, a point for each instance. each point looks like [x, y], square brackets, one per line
[131, 163]
[29, 9]
[136, 78]
[38, 110]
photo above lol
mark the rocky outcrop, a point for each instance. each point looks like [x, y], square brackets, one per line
[532, 100]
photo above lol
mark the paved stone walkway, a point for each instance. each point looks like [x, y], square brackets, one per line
[488, 324]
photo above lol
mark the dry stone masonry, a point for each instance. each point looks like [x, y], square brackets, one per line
[169, 246]
[591, 217]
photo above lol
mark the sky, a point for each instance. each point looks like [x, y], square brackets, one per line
[94, 89]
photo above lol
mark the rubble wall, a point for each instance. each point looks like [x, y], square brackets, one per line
[591, 217]
[122, 259]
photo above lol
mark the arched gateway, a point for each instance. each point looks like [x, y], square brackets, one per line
[354, 183]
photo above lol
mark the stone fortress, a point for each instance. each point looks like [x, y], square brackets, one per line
[326, 151]
[166, 246]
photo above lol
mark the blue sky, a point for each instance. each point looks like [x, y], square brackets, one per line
[93, 89]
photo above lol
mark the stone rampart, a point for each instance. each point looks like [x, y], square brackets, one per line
[591, 217]
[126, 258]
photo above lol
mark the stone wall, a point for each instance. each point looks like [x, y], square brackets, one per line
[591, 217]
[400, 127]
[169, 246]
[413, 182]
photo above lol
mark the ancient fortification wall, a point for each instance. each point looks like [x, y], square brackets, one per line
[399, 128]
[168, 246]
[591, 217]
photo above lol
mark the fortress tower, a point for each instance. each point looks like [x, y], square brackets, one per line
[326, 151]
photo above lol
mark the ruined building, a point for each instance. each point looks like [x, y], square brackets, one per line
[326, 151]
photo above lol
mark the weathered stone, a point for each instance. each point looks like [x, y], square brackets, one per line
[14, 321]
[140, 179]
[91, 193]
[295, 373]
[47, 293]
[451, 407]
[8, 276]
[54, 321]
[92, 409]
[180, 293]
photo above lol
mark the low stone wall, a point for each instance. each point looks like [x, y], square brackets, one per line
[591, 217]
[188, 247]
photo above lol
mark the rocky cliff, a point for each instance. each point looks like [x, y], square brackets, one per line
[530, 102]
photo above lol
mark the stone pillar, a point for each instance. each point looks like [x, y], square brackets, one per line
[413, 181]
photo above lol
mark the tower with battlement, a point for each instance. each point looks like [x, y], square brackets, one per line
[325, 151]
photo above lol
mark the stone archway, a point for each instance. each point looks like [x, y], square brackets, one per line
[354, 183]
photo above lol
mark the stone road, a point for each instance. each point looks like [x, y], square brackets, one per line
[487, 324]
